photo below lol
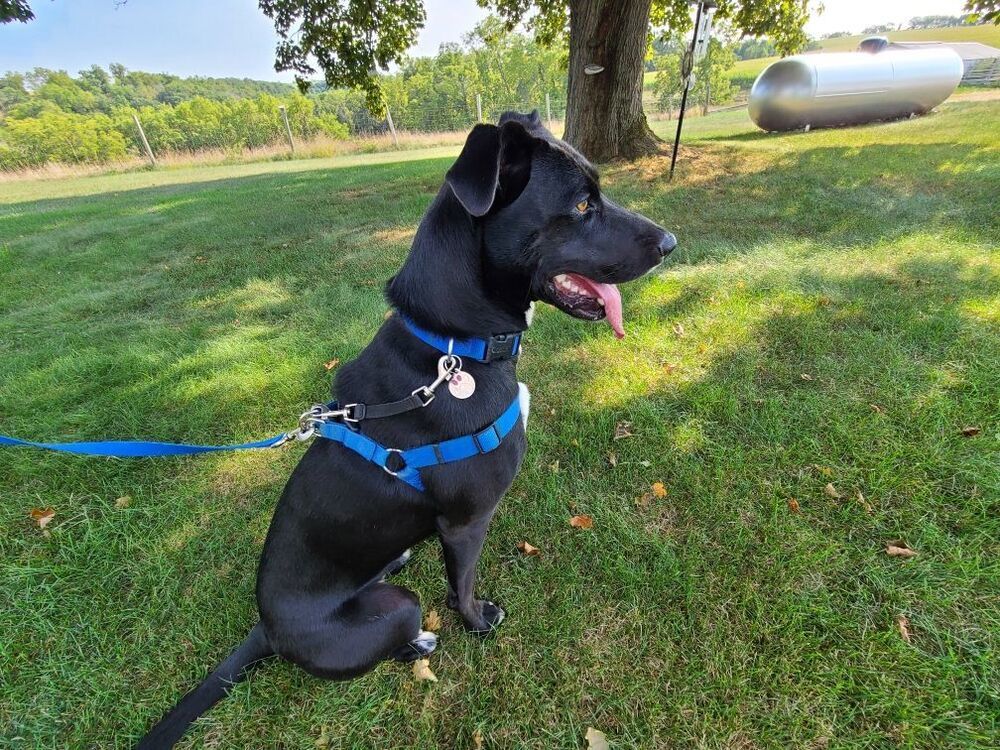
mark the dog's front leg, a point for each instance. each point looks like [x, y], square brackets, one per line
[462, 544]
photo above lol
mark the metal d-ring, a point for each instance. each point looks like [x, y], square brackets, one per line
[385, 466]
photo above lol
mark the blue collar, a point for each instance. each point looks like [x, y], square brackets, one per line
[497, 347]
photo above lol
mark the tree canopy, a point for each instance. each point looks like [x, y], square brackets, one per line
[350, 40]
[15, 10]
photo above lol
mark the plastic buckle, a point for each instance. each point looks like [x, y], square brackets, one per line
[501, 346]
[385, 466]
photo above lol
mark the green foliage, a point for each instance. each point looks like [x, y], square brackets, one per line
[752, 48]
[63, 137]
[780, 20]
[711, 71]
[984, 11]
[191, 114]
[350, 40]
[15, 10]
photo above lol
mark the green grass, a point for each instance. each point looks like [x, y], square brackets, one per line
[199, 305]
[988, 34]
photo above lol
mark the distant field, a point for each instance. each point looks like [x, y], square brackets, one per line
[983, 34]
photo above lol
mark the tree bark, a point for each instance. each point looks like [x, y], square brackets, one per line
[604, 117]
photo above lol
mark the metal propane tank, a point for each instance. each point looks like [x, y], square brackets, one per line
[850, 88]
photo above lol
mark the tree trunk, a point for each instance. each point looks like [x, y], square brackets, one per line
[604, 117]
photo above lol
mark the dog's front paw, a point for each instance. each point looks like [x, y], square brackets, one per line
[483, 618]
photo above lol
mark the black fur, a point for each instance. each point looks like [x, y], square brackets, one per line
[502, 226]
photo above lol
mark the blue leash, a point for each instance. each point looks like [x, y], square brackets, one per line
[141, 448]
[326, 421]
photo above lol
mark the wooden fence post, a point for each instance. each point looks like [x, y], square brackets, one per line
[288, 128]
[142, 137]
[392, 128]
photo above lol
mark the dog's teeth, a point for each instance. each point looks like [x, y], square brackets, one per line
[600, 301]
[561, 278]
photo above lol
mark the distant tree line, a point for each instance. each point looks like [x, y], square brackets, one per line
[51, 116]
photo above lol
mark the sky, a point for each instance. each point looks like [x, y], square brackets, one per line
[233, 38]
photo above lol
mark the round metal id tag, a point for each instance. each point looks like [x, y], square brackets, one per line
[462, 385]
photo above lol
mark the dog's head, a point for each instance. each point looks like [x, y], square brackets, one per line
[545, 220]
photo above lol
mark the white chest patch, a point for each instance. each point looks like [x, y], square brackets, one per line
[529, 314]
[524, 399]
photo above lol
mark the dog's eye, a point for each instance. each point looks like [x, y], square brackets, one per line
[583, 205]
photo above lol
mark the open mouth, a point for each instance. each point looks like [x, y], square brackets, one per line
[584, 298]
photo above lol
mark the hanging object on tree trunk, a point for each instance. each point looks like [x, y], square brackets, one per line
[699, 46]
[593, 69]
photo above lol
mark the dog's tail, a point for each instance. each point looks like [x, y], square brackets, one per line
[215, 687]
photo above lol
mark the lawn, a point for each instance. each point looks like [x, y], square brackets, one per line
[798, 377]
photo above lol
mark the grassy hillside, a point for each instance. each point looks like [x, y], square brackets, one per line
[798, 376]
[988, 34]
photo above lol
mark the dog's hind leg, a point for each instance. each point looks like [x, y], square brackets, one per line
[377, 623]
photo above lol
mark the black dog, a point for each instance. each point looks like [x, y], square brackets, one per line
[520, 218]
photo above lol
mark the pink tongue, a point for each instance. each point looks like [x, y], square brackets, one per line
[612, 301]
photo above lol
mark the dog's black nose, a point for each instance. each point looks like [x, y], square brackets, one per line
[667, 244]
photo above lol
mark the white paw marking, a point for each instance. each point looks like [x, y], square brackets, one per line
[529, 314]
[524, 399]
[500, 617]
[406, 555]
[426, 641]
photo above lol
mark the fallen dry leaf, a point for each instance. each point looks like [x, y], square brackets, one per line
[678, 329]
[669, 367]
[554, 467]
[806, 376]
[793, 505]
[877, 409]
[477, 740]
[826, 471]
[970, 431]
[613, 459]
[323, 741]
[529, 550]
[643, 500]
[899, 550]
[422, 671]
[831, 491]
[575, 442]
[432, 621]
[123, 502]
[42, 516]
[596, 739]
[581, 522]
[904, 627]
[864, 503]
[332, 363]
[659, 490]
[623, 430]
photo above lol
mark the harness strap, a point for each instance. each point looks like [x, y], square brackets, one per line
[410, 461]
[496, 347]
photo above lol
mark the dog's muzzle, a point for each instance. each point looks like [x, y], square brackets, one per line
[667, 244]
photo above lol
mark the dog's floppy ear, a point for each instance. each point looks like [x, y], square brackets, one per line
[495, 163]
[473, 177]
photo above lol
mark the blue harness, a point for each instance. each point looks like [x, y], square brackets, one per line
[331, 422]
